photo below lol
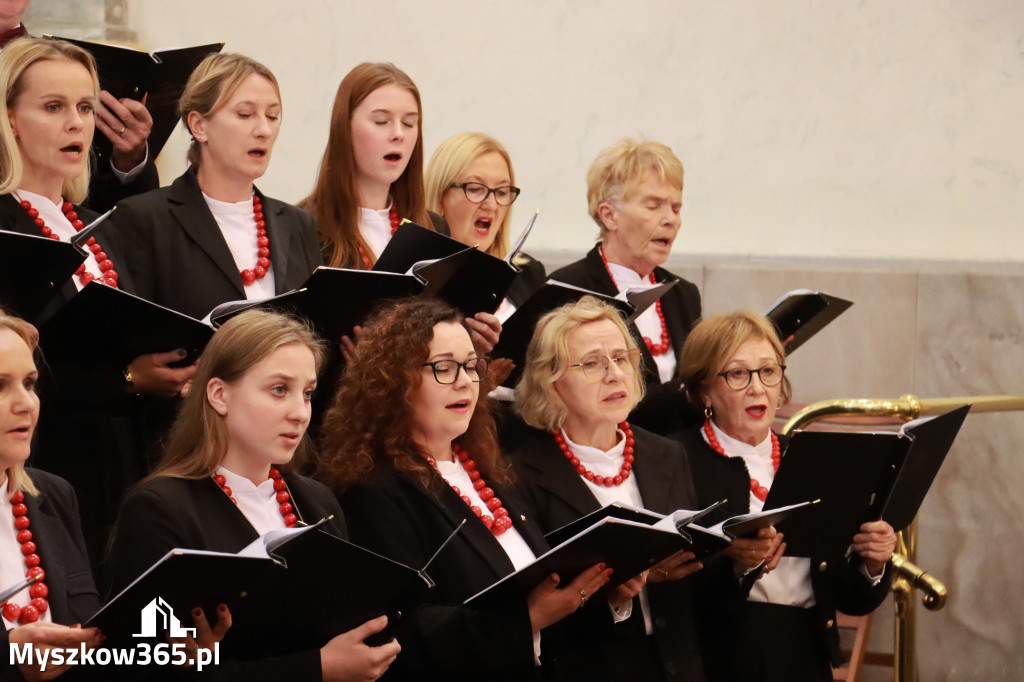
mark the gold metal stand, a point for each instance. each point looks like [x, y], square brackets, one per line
[909, 576]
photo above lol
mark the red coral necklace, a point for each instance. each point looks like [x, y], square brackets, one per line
[759, 491]
[606, 481]
[106, 265]
[501, 521]
[655, 348]
[393, 217]
[31, 612]
[283, 498]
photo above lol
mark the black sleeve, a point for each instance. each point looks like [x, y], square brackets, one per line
[106, 189]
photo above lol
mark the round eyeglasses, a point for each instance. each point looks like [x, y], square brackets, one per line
[597, 366]
[447, 371]
[740, 377]
[478, 193]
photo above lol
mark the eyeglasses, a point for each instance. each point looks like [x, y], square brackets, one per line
[478, 193]
[739, 378]
[596, 366]
[447, 371]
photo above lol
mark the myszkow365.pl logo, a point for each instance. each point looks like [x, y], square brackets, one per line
[157, 618]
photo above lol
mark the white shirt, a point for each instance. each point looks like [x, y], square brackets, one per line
[12, 565]
[237, 222]
[609, 463]
[258, 502]
[648, 321]
[375, 226]
[55, 219]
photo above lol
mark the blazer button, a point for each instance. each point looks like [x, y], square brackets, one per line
[829, 624]
[823, 566]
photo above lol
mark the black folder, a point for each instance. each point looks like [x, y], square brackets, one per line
[32, 270]
[362, 586]
[469, 279]
[333, 300]
[859, 477]
[126, 72]
[102, 325]
[802, 314]
[518, 329]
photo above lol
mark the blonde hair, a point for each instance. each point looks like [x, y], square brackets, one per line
[450, 160]
[547, 360]
[716, 339]
[17, 477]
[199, 439]
[618, 171]
[212, 84]
[15, 59]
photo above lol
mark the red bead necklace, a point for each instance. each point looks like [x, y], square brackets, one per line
[606, 481]
[655, 348]
[31, 612]
[250, 275]
[105, 264]
[759, 491]
[501, 521]
[393, 217]
[283, 498]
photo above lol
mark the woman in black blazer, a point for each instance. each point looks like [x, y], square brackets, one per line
[470, 182]
[411, 479]
[88, 432]
[220, 483]
[580, 382]
[783, 626]
[42, 537]
[212, 236]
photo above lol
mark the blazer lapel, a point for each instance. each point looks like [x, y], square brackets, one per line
[280, 235]
[660, 477]
[557, 476]
[189, 208]
[45, 529]
[474, 533]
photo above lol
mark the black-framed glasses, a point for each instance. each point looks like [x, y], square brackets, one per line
[478, 193]
[447, 371]
[596, 366]
[739, 377]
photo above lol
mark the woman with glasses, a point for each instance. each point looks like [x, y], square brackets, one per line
[471, 184]
[371, 174]
[580, 382]
[430, 468]
[732, 367]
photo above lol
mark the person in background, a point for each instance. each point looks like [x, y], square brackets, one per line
[471, 184]
[734, 370]
[129, 169]
[635, 194]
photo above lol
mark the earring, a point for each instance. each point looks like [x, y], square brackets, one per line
[200, 138]
[707, 412]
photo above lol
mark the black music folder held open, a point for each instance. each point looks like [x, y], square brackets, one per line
[277, 569]
[517, 330]
[803, 313]
[859, 477]
[32, 271]
[333, 300]
[127, 72]
[101, 325]
[467, 278]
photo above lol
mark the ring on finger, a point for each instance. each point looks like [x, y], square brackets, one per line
[123, 128]
[583, 597]
[664, 573]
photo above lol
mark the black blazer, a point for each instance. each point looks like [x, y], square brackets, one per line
[196, 514]
[557, 495]
[664, 409]
[179, 259]
[530, 278]
[57, 532]
[394, 515]
[837, 583]
[106, 189]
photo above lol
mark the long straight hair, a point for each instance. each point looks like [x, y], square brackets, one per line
[15, 59]
[334, 201]
[199, 438]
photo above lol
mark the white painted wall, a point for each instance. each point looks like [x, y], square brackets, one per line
[877, 129]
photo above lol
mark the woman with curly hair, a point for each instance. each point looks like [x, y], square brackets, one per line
[409, 481]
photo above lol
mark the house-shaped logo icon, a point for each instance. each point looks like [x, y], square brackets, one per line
[158, 617]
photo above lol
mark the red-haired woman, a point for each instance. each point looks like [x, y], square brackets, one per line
[408, 481]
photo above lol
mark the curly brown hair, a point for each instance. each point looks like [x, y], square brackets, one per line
[370, 422]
